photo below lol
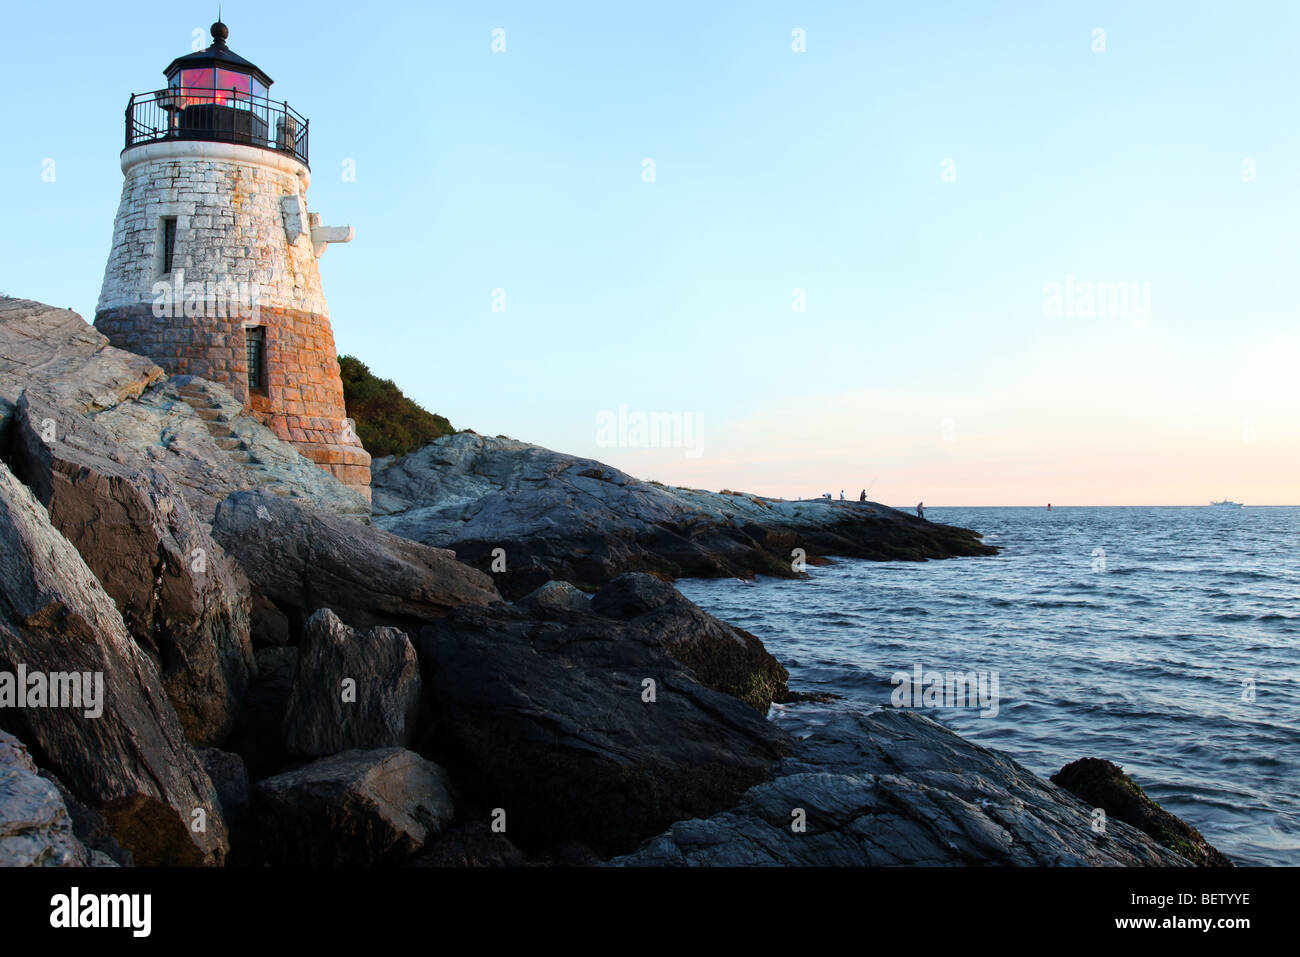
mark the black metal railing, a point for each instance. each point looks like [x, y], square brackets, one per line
[223, 116]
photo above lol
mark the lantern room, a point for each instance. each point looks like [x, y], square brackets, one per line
[217, 74]
[215, 94]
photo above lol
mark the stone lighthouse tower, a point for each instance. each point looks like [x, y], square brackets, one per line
[214, 267]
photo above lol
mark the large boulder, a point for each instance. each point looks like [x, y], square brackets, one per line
[722, 656]
[35, 827]
[303, 559]
[558, 516]
[582, 726]
[353, 809]
[56, 350]
[123, 750]
[183, 600]
[352, 690]
[1104, 785]
[555, 596]
[892, 787]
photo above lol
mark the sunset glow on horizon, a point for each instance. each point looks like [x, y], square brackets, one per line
[967, 256]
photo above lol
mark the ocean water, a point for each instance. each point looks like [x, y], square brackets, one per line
[1166, 640]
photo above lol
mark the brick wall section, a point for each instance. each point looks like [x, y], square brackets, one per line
[212, 348]
[230, 228]
[303, 399]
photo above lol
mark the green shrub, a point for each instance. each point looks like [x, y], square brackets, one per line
[387, 422]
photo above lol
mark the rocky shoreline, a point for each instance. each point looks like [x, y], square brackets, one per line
[561, 517]
[286, 682]
[889, 788]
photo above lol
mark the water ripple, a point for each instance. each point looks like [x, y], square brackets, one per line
[1164, 639]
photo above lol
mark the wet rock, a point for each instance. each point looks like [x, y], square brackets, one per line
[551, 719]
[352, 689]
[1104, 785]
[183, 600]
[353, 809]
[572, 519]
[303, 559]
[35, 827]
[632, 595]
[723, 657]
[892, 787]
[131, 762]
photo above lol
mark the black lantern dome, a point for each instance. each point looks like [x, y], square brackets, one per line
[218, 68]
[215, 94]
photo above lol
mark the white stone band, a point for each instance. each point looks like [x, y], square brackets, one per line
[206, 150]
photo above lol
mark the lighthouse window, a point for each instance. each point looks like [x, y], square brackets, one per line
[255, 345]
[235, 86]
[168, 240]
[196, 85]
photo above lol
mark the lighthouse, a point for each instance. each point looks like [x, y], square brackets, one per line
[214, 269]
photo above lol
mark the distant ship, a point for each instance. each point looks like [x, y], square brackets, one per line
[1225, 504]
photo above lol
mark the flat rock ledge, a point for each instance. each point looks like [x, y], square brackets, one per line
[891, 787]
[556, 516]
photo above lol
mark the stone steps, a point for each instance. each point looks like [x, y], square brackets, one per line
[219, 430]
[217, 422]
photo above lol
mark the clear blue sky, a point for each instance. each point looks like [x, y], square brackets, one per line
[924, 360]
